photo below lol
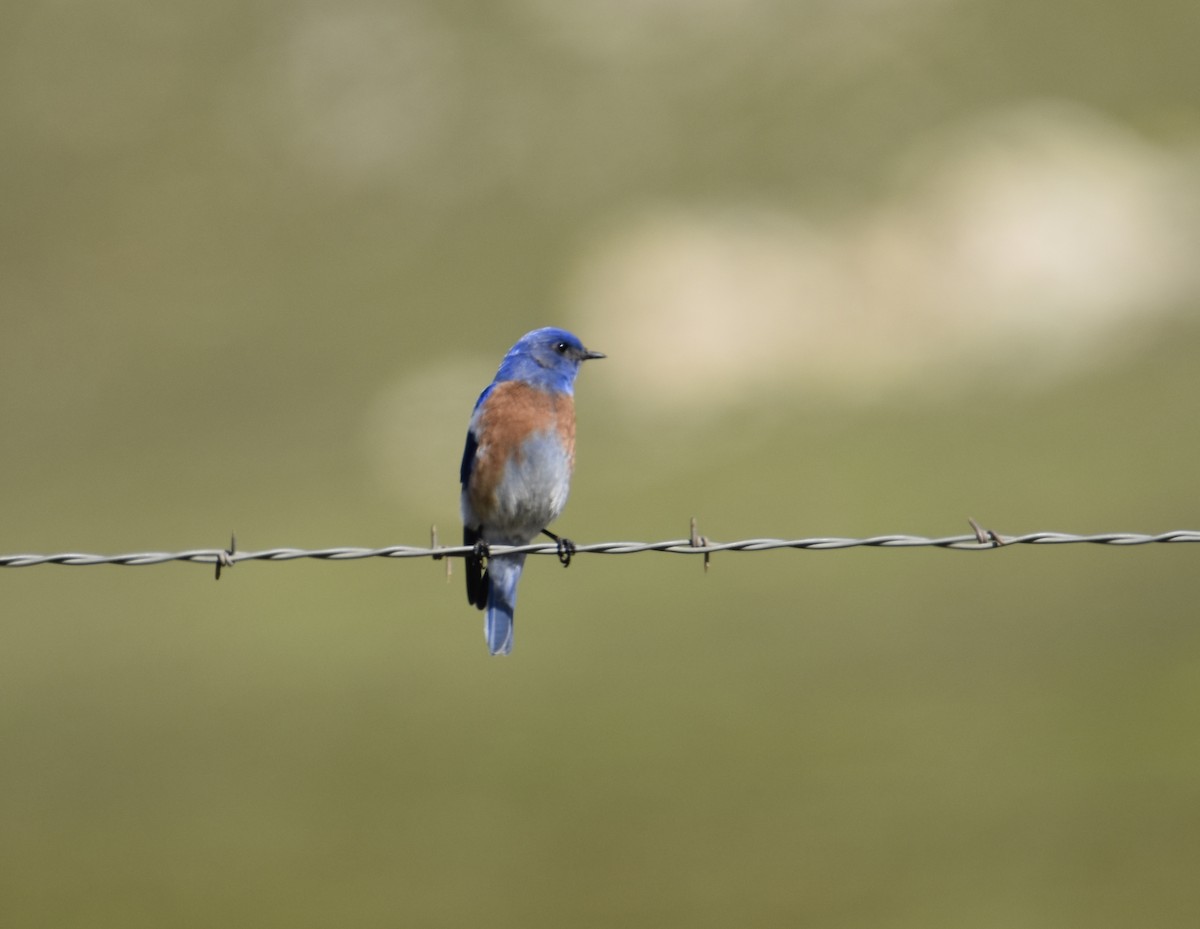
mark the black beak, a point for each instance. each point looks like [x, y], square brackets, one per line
[588, 356]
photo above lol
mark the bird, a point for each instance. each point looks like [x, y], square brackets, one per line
[516, 468]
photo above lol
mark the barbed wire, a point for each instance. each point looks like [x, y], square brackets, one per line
[978, 540]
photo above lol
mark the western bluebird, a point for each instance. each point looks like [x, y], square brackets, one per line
[516, 468]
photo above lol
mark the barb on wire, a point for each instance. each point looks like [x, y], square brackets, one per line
[699, 541]
[978, 540]
[225, 557]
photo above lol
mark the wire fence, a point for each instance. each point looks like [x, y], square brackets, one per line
[979, 539]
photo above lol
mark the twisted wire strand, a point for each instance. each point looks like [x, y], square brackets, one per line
[978, 541]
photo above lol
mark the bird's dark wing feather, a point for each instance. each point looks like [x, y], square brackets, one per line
[477, 579]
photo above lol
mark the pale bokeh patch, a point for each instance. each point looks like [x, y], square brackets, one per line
[415, 431]
[1033, 242]
[368, 90]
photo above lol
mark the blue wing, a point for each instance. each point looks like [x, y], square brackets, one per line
[477, 577]
[468, 459]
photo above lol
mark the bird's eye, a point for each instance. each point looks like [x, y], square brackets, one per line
[561, 348]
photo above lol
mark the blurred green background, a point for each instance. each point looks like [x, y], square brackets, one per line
[859, 268]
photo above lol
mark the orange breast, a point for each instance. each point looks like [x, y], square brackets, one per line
[512, 413]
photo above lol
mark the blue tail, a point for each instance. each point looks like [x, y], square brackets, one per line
[503, 573]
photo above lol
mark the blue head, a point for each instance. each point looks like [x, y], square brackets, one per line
[547, 358]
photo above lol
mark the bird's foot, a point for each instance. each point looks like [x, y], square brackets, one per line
[480, 552]
[566, 548]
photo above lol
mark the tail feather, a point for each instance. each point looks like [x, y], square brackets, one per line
[504, 571]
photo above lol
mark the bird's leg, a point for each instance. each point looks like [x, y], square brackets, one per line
[566, 548]
[481, 551]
